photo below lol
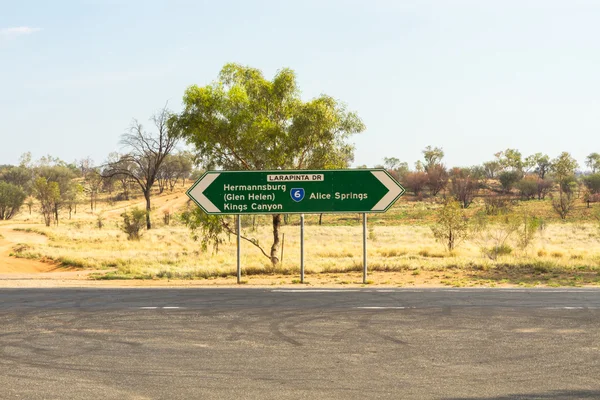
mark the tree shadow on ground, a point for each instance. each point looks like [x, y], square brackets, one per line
[553, 395]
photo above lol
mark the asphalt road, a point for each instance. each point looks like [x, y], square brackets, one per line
[299, 344]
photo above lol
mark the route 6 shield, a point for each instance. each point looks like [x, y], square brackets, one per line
[297, 194]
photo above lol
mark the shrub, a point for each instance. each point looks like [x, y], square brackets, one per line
[437, 178]
[527, 230]
[464, 186]
[527, 187]
[593, 198]
[497, 251]
[452, 226]
[563, 204]
[542, 253]
[494, 238]
[508, 180]
[543, 188]
[498, 205]
[100, 221]
[167, 216]
[415, 182]
[133, 223]
[592, 182]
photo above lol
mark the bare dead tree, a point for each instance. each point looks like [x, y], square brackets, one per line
[145, 155]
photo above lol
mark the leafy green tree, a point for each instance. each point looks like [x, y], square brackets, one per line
[419, 167]
[433, 156]
[63, 176]
[593, 162]
[92, 185]
[47, 193]
[11, 200]
[564, 166]
[511, 160]
[491, 169]
[541, 164]
[175, 167]
[244, 121]
[29, 203]
[18, 176]
[391, 163]
[396, 167]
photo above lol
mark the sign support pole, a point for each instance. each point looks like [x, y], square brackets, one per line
[239, 230]
[364, 220]
[301, 248]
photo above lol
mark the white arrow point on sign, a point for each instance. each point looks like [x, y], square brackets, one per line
[197, 193]
[393, 190]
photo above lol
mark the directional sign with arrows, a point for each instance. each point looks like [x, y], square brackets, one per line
[283, 191]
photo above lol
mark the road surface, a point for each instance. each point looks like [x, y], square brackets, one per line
[299, 344]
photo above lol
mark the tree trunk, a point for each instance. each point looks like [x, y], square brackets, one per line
[320, 218]
[148, 223]
[275, 246]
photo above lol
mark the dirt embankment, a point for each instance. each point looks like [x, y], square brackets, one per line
[21, 272]
[11, 265]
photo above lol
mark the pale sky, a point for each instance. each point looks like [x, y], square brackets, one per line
[471, 76]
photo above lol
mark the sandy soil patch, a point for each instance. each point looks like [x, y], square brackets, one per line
[12, 265]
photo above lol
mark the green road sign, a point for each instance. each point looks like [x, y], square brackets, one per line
[284, 192]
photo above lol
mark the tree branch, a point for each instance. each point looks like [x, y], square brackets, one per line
[251, 240]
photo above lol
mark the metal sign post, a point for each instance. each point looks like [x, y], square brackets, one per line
[301, 248]
[364, 221]
[239, 243]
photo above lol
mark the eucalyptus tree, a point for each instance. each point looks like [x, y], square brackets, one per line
[18, 176]
[11, 200]
[244, 121]
[66, 189]
[433, 156]
[175, 167]
[541, 164]
[397, 168]
[511, 160]
[593, 162]
[145, 155]
[563, 168]
[47, 193]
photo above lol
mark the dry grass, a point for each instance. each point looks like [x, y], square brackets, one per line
[169, 252]
[400, 242]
